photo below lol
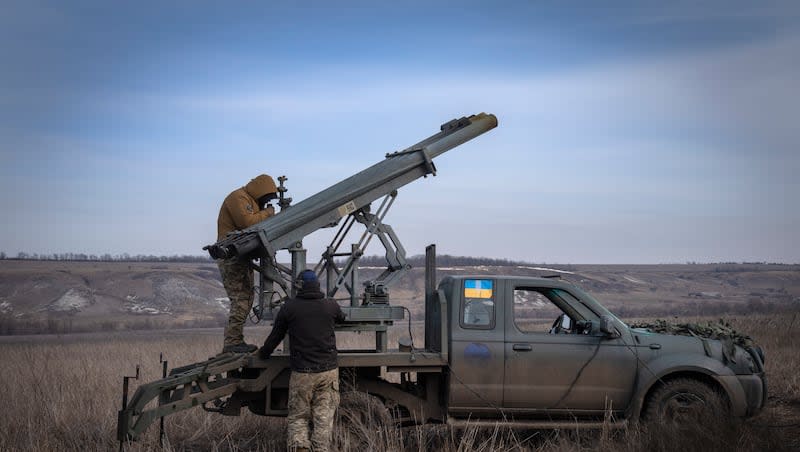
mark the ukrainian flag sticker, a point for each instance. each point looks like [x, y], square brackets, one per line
[478, 288]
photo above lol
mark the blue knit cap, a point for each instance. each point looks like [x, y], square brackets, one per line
[308, 276]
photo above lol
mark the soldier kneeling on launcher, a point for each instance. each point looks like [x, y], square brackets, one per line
[314, 383]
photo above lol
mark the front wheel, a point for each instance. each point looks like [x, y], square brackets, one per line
[685, 402]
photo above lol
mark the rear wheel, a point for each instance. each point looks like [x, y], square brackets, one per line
[360, 420]
[685, 402]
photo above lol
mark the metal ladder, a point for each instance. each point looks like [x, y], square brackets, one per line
[186, 387]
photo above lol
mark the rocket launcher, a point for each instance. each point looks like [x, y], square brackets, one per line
[348, 196]
[350, 199]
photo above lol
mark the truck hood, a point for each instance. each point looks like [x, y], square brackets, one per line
[716, 340]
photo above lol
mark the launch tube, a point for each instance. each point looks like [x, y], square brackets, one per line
[347, 196]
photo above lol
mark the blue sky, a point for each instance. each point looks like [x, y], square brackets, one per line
[630, 132]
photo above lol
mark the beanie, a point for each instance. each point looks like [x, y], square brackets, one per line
[308, 276]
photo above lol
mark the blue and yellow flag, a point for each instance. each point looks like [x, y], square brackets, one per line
[478, 288]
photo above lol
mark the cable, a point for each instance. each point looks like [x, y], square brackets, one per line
[577, 376]
[256, 319]
[475, 393]
[410, 336]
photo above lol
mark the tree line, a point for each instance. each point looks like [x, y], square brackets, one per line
[106, 257]
[445, 260]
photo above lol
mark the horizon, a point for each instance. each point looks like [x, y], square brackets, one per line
[199, 258]
[628, 132]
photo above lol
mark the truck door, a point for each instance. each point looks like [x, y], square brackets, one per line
[553, 366]
[477, 346]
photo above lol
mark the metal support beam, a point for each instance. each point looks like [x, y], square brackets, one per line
[298, 264]
[356, 254]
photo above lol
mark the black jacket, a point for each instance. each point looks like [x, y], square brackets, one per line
[309, 320]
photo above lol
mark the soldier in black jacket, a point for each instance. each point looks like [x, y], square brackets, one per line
[314, 384]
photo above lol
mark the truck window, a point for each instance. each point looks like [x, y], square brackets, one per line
[477, 308]
[535, 309]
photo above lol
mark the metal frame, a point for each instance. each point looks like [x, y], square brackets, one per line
[347, 276]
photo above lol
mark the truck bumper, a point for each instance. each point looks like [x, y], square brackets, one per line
[748, 393]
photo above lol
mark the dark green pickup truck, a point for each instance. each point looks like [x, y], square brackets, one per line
[543, 349]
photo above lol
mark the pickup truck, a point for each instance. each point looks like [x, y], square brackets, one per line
[533, 351]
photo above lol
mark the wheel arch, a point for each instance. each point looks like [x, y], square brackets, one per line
[696, 375]
[421, 409]
[712, 372]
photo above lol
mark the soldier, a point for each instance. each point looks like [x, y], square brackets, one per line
[242, 208]
[314, 383]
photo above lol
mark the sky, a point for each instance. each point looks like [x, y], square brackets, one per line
[629, 132]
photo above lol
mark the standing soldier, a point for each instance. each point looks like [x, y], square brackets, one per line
[242, 208]
[314, 384]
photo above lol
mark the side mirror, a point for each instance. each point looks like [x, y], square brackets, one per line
[607, 327]
[566, 322]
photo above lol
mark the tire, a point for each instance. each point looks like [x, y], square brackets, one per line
[685, 402]
[360, 420]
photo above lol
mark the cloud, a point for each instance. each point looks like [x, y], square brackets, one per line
[682, 142]
[747, 92]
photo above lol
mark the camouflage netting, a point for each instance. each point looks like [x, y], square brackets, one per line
[720, 330]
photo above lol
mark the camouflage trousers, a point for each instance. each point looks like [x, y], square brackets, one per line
[313, 398]
[237, 277]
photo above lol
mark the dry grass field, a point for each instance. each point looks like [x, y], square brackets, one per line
[63, 393]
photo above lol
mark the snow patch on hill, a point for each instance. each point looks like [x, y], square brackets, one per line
[72, 300]
[545, 269]
[141, 309]
[633, 280]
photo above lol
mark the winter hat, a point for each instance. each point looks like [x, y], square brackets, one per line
[308, 276]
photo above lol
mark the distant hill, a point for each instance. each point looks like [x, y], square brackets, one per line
[75, 296]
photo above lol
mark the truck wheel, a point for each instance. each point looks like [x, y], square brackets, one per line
[684, 402]
[360, 419]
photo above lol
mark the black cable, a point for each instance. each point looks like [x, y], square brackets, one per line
[410, 336]
[476, 394]
[580, 372]
[252, 315]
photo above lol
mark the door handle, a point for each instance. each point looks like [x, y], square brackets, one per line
[522, 347]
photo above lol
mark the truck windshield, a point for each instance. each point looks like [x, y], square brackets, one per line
[595, 312]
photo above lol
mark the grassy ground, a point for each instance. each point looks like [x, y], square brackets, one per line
[63, 393]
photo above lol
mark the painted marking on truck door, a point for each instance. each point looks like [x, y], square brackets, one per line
[478, 288]
[477, 352]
